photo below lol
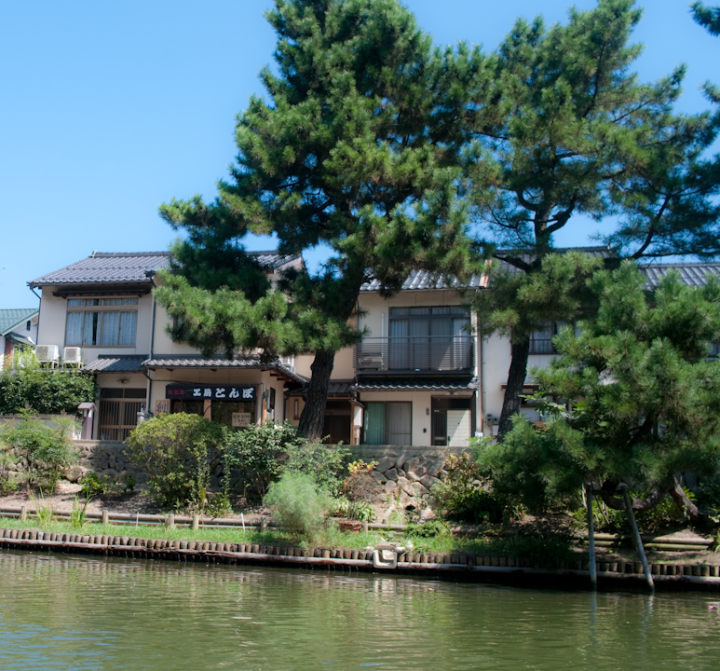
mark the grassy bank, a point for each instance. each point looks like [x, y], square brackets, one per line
[540, 552]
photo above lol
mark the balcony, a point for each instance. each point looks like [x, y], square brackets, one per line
[415, 354]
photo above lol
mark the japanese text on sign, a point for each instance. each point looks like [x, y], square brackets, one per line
[211, 392]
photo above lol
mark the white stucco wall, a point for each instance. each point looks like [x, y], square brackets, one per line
[53, 316]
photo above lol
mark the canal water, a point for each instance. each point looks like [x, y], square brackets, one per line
[75, 613]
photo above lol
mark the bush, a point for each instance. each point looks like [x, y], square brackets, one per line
[298, 505]
[258, 455]
[43, 451]
[360, 484]
[462, 496]
[178, 452]
[254, 457]
[325, 463]
[106, 485]
[42, 391]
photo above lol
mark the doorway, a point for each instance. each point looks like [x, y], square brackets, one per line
[451, 421]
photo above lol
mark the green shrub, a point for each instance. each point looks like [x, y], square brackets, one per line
[462, 495]
[106, 485]
[254, 457]
[44, 451]
[325, 463]
[429, 529]
[298, 505]
[258, 455]
[41, 390]
[178, 452]
[360, 510]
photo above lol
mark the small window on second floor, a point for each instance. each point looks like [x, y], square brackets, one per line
[541, 339]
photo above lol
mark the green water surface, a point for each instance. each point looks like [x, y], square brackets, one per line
[75, 612]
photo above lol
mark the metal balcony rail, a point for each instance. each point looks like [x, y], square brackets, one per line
[542, 346]
[415, 353]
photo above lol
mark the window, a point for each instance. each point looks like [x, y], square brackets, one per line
[541, 339]
[101, 322]
[430, 338]
[27, 326]
[388, 424]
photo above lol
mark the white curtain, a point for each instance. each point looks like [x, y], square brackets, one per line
[128, 327]
[74, 328]
[110, 327]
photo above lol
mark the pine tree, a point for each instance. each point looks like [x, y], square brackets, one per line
[356, 147]
[636, 399]
[563, 129]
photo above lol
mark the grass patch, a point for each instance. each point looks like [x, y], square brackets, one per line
[541, 552]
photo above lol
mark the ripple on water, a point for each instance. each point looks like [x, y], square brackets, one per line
[65, 612]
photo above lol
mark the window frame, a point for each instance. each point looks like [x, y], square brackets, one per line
[101, 308]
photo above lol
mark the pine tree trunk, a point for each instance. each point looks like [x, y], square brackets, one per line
[313, 414]
[519, 353]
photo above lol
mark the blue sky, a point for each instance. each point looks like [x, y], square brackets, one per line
[109, 109]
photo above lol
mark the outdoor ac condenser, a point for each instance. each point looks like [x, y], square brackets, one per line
[47, 353]
[72, 355]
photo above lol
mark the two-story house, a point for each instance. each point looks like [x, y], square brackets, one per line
[421, 376]
[104, 305]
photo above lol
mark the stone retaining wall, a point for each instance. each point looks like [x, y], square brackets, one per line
[104, 457]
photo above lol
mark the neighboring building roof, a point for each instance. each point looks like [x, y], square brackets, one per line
[19, 340]
[132, 267]
[692, 274]
[118, 363]
[424, 280]
[336, 388]
[191, 361]
[12, 318]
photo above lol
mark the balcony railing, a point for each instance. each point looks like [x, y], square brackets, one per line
[542, 346]
[415, 354]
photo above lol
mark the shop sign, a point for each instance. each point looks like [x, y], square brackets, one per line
[211, 392]
[241, 420]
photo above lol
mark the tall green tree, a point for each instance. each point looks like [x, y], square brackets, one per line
[708, 17]
[355, 146]
[564, 134]
[636, 399]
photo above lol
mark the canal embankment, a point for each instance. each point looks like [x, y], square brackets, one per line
[386, 558]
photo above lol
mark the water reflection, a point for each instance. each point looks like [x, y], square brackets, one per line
[64, 612]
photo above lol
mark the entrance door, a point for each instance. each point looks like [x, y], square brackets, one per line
[118, 412]
[451, 421]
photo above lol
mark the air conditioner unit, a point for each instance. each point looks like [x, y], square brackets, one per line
[47, 353]
[73, 356]
[366, 361]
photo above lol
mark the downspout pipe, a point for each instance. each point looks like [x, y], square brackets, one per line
[151, 276]
[39, 297]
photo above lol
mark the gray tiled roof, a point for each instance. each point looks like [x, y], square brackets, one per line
[130, 363]
[420, 384]
[191, 361]
[422, 279]
[131, 267]
[10, 319]
[336, 388]
[692, 274]
[101, 267]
